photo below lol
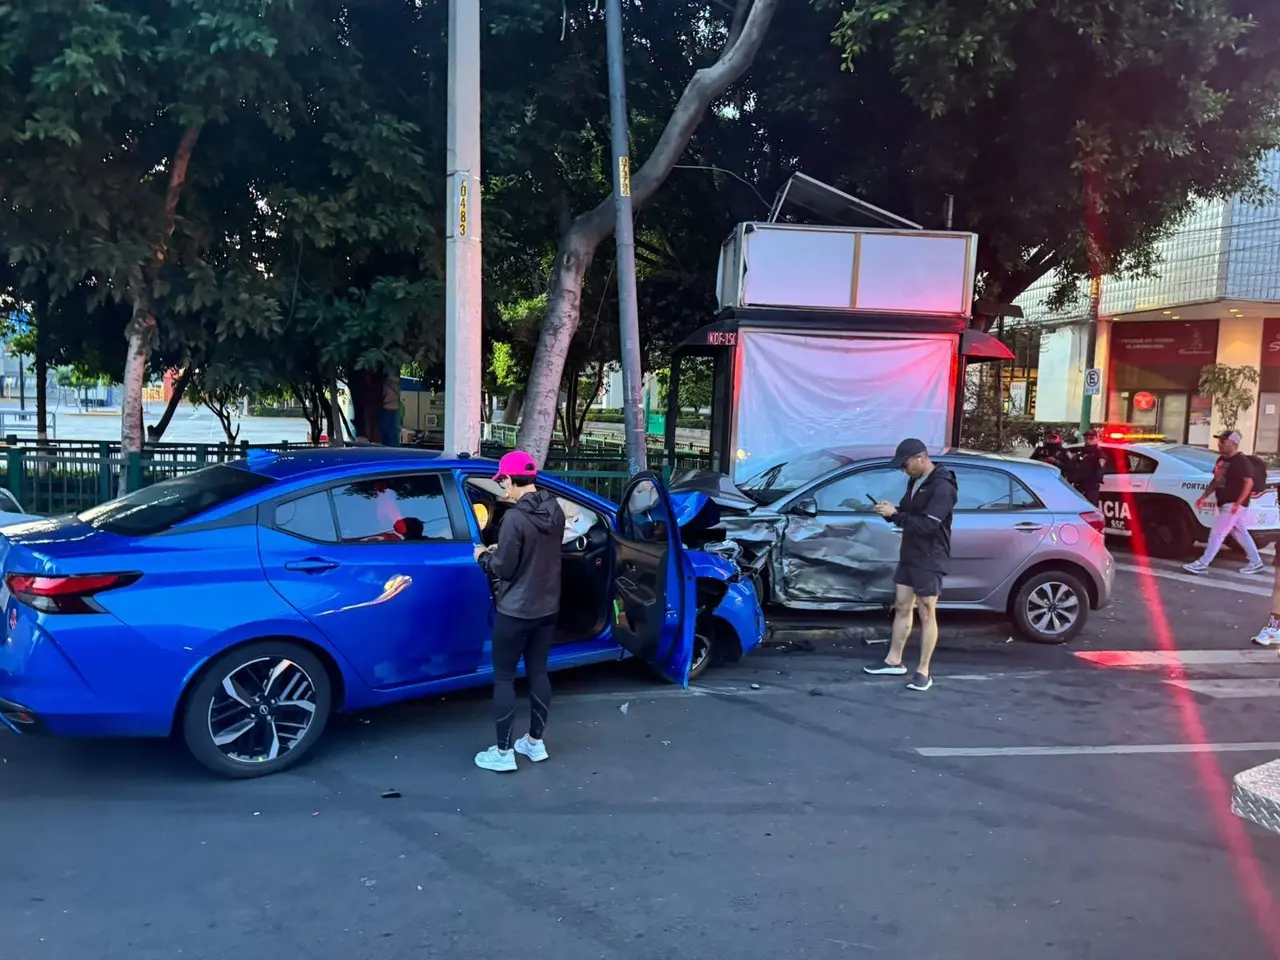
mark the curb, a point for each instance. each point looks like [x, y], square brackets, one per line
[784, 636]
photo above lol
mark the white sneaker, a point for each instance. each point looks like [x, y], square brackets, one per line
[1196, 567]
[1268, 637]
[499, 761]
[1252, 568]
[535, 750]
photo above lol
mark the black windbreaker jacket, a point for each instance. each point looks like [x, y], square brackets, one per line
[925, 518]
[526, 564]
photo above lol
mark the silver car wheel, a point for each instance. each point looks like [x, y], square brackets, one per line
[262, 710]
[1053, 608]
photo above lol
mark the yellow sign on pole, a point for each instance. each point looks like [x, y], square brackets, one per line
[624, 176]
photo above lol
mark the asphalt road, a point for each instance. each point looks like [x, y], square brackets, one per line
[823, 815]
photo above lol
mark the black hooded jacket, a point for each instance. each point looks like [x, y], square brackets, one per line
[526, 564]
[925, 518]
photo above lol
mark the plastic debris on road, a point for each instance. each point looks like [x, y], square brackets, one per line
[625, 707]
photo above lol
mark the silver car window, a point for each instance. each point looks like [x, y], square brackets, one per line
[854, 492]
[988, 490]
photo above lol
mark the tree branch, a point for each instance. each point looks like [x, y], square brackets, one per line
[702, 90]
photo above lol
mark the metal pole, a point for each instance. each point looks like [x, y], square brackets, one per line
[628, 317]
[951, 209]
[1091, 349]
[462, 358]
[1000, 389]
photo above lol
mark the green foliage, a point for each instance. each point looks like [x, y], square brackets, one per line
[1231, 388]
[1051, 122]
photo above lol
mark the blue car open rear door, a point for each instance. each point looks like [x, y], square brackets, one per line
[653, 593]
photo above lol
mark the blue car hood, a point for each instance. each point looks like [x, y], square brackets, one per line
[691, 490]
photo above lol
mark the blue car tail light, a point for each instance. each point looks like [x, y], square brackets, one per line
[65, 594]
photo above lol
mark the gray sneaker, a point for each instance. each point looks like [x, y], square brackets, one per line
[885, 670]
[1197, 567]
[1252, 568]
[921, 682]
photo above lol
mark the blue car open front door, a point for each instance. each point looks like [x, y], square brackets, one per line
[653, 590]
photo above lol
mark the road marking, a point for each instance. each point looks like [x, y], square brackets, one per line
[1131, 659]
[641, 694]
[1117, 748]
[1241, 689]
[1251, 585]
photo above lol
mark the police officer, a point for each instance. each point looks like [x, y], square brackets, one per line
[1051, 451]
[1088, 468]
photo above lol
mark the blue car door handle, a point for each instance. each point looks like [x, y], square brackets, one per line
[311, 565]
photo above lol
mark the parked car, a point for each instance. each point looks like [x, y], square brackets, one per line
[241, 605]
[1024, 542]
[1155, 486]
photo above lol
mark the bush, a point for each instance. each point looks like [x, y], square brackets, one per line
[689, 421]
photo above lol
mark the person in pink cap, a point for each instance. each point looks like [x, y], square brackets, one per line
[525, 568]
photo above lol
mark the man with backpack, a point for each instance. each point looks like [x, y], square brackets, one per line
[1236, 477]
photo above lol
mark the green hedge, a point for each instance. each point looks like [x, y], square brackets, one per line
[688, 421]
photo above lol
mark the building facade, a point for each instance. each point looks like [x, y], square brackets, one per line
[1214, 297]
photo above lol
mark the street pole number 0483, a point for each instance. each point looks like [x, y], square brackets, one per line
[463, 190]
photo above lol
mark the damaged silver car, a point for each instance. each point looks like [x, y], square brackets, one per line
[1024, 543]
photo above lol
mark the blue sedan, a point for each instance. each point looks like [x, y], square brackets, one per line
[241, 605]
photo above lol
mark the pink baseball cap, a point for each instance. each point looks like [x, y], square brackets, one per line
[517, 463]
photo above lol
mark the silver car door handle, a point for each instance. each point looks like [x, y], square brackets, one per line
[1027, 527]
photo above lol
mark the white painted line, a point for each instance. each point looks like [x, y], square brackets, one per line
[1266, 746]
[1251, 689]
[1252, 585]
[1131, 659]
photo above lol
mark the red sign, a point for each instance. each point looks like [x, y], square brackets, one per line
[1144, 401]
[1271, 342]
[1165, 343]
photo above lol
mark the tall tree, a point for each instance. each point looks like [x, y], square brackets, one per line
[1065, 129]
[581, 234]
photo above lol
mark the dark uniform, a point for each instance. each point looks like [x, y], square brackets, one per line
[1087, 471]
[1051, 451]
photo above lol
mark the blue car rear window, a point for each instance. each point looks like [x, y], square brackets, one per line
[157, 508]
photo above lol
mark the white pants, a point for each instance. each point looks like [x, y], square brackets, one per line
[1234, 525]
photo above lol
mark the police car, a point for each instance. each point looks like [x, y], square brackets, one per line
[1154, 486]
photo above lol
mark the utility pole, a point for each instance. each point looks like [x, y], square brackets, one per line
[1091, 348]
[633, 412]
[462, 292]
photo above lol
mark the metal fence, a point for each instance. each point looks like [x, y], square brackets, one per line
[67, 476]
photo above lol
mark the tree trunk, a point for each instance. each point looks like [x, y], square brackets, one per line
[141, 327]
[179, 388]
[337, 437]
[511, 412]
[542, 397]
[143, 324]
[579, 243]
[596, 384]
[42, 363]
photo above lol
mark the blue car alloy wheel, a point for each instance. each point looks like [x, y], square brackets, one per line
[257, 709]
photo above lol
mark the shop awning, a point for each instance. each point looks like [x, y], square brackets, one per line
[978, 347]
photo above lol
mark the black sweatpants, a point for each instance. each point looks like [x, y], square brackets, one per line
[513, 638]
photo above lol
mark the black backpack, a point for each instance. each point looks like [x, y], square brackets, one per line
[1258, 471]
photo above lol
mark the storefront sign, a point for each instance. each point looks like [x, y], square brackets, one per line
[1271, 342]
[1144, 401]
[1165, 343]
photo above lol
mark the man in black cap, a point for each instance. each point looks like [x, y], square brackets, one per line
[925, 518]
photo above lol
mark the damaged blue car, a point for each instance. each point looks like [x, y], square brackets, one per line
[239, 607]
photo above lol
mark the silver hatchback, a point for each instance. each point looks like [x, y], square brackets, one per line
[1023, 542]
